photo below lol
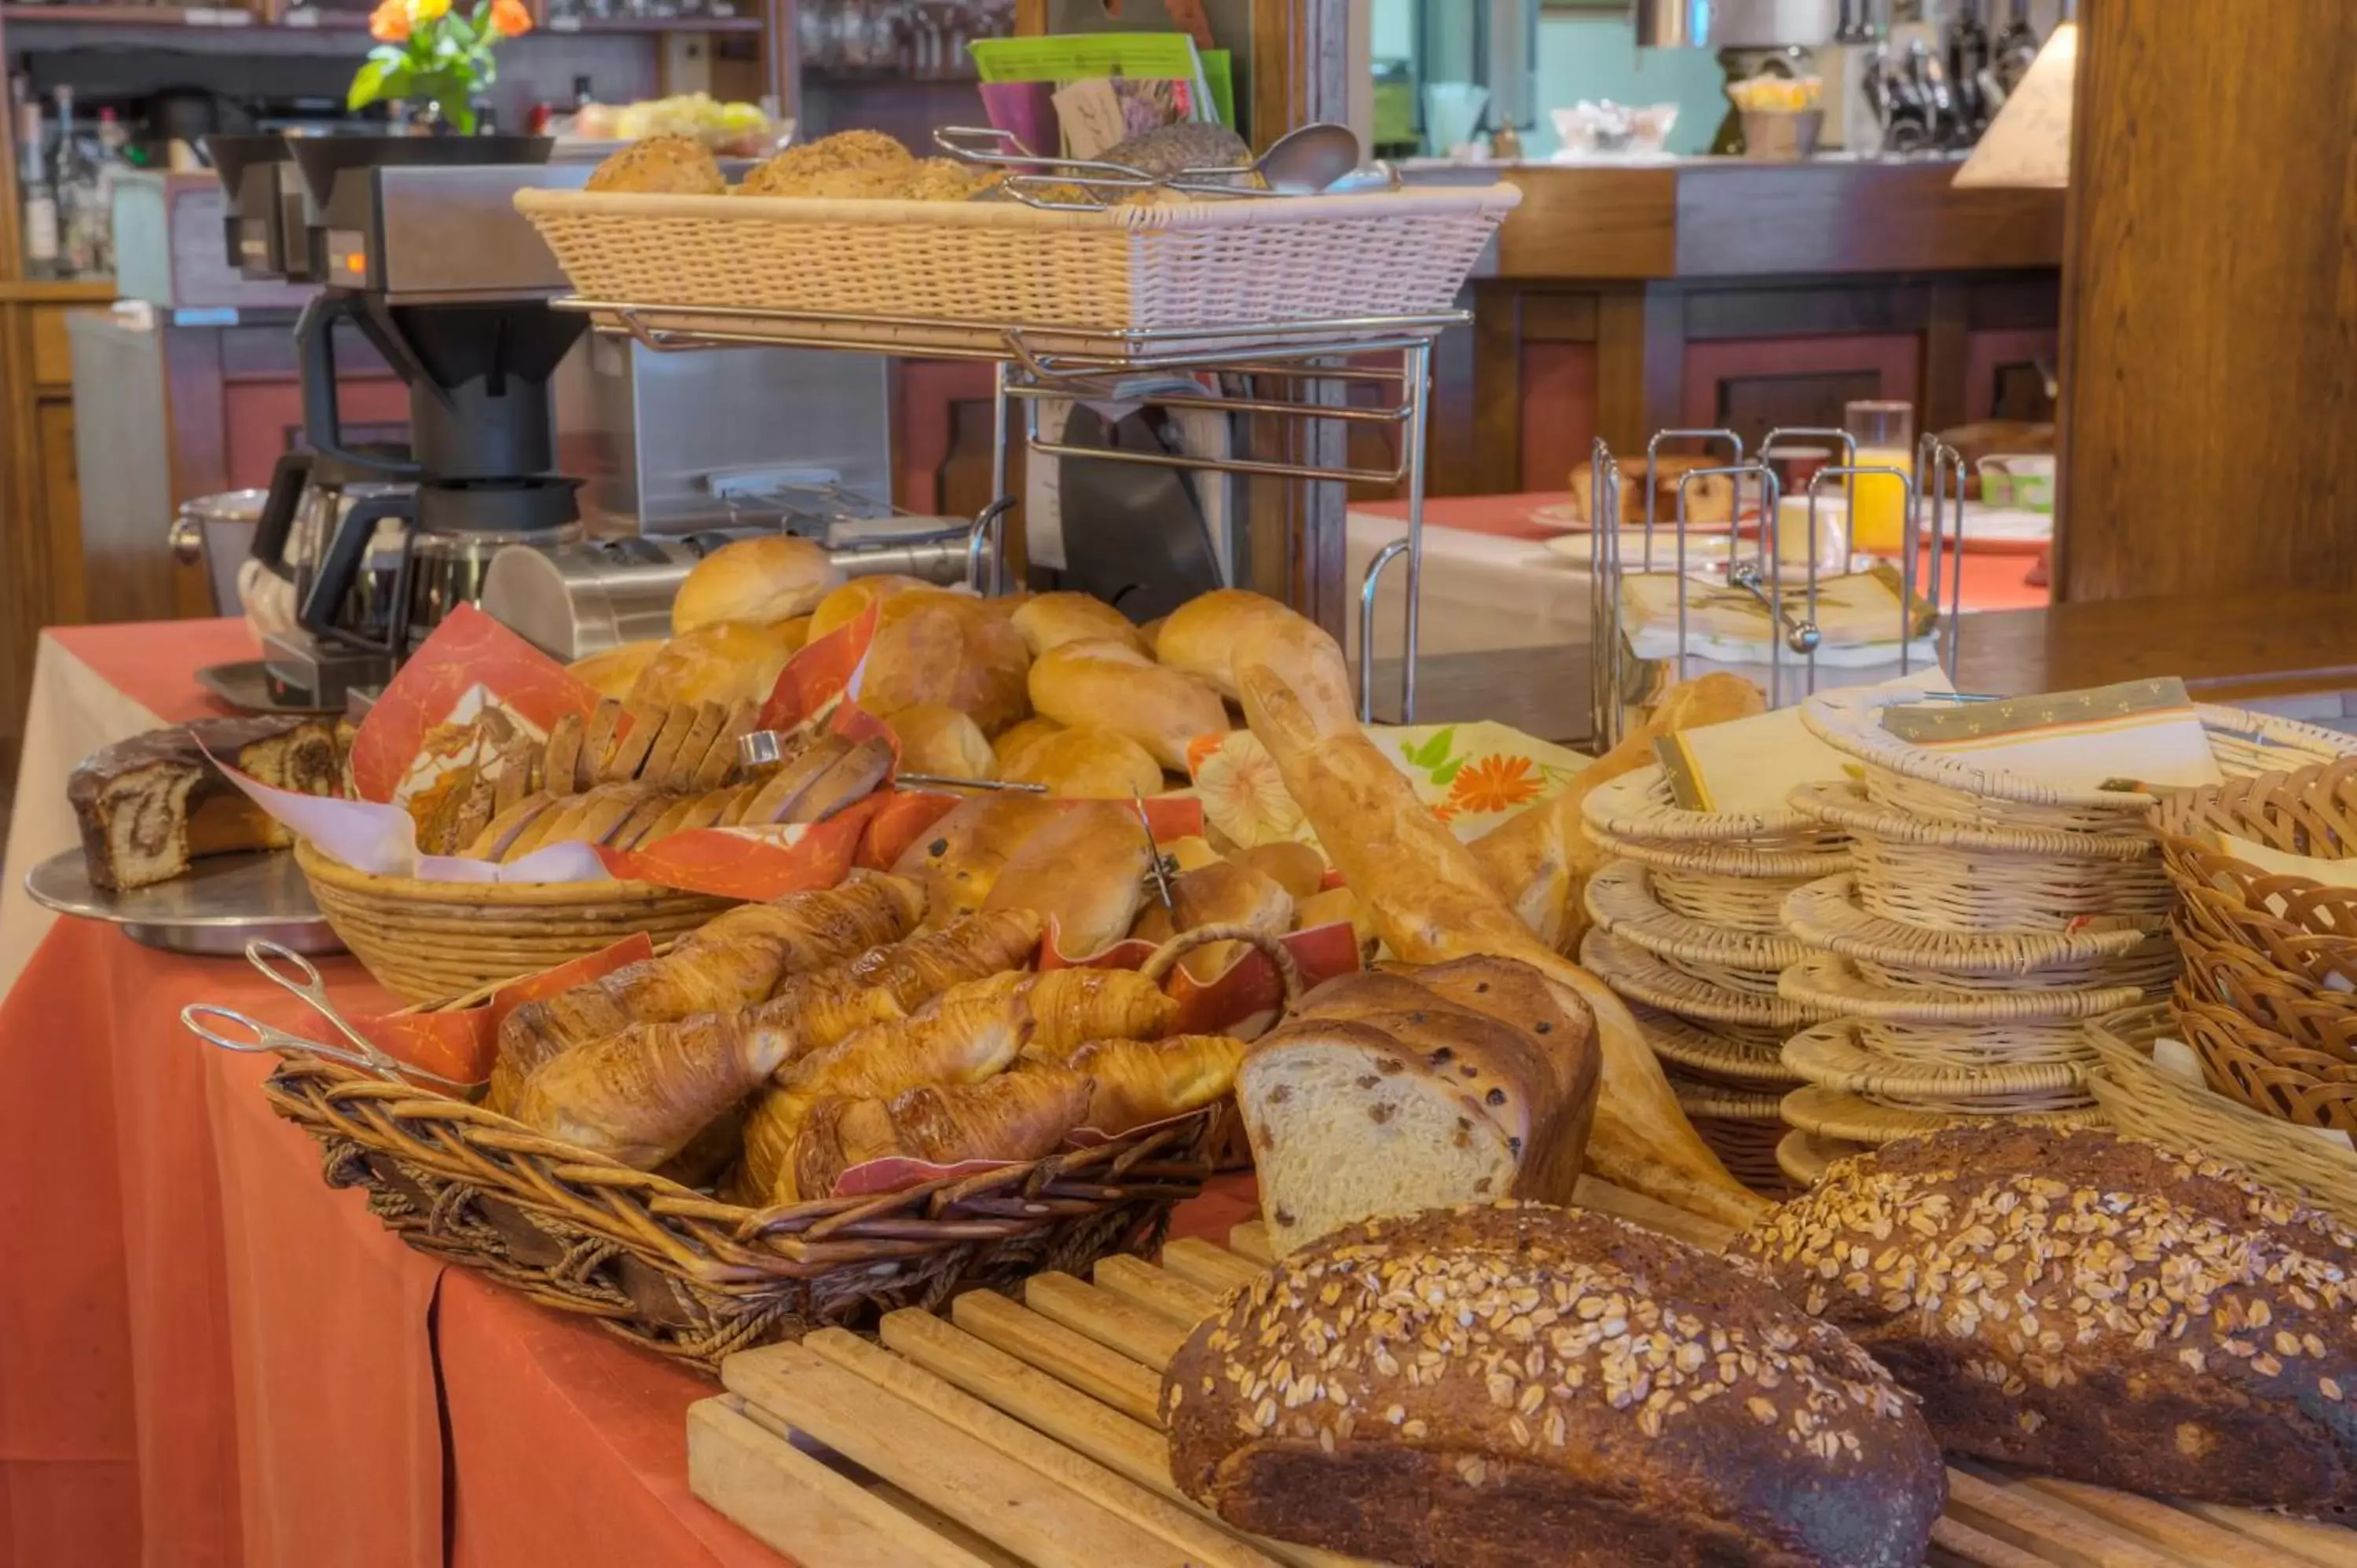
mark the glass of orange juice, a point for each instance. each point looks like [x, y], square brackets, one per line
[1885, 433]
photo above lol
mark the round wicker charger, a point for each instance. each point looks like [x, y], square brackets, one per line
[1618, 900]
[1844, 803]
[1827, 914]
[2148, 1102]
[1850, 721]
[1730, 1055]
[1979, 891]
[1831, 984]
[1742, 1130]
[1640, 806]
[430, 939]
[1805, 1157]
[1831, 1055]
[1641, 977]
[1851, 1118]
[1739, 903]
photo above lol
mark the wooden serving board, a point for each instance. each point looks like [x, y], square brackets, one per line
[1025, 1435]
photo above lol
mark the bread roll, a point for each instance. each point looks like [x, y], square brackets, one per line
[958, 862]
[937, 647]
[612, 674]
[1014, 742]
[1298, 868]
[841, 607]
[1115, 686]
[1226, 893]
[1051, 621]
[1380, 1096]
[938, 739]
[1498, 1386]
[1088, 762]
[1199, 636]
[1430, 902]
[763, 581]
[668, 165]
[724, 662]
[1338, 904]
[2094, 1306]
[1540, 860]
[1709, 500]
[1085, 870]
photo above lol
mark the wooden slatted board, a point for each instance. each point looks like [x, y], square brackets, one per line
[1025, 1435]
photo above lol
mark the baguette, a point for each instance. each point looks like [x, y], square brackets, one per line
[1541, 859]
[1430, 901]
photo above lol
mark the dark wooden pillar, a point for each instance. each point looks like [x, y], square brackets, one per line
[2210, 340]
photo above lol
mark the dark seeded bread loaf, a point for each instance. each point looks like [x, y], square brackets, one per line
[1502, 1386]
[2094, 1306]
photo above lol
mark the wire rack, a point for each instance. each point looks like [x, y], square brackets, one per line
[1297, 372]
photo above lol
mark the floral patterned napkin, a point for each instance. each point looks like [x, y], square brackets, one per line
[1472, 775]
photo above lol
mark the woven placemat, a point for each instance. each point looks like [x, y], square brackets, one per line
[1735, 1056]
[1641, 977]
[1827, 914]
[1833, 1055]
[1851, 1118]
[1831, 985]
[1620, 900]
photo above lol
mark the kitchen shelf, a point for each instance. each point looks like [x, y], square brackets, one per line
[569, 25]
[220, 18]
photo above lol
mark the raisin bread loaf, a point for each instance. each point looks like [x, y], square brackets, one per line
[2091, 1306]
[1495, 1387]
[1385, 1094]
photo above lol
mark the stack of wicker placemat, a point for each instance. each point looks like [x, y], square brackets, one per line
[1986, 919]
[1687, 930]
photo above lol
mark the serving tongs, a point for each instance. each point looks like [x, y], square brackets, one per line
[1302, 162]
[204, 1019]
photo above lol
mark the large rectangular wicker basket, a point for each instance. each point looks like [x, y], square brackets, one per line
[991, 264]
[670, 1268]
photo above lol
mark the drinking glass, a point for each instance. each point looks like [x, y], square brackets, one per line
[1885, 433]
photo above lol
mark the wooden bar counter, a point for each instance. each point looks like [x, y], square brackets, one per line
[1707, 292]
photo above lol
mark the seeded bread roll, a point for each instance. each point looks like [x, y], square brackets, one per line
[674, 165]
[2094, 1306]
[1495, 1387]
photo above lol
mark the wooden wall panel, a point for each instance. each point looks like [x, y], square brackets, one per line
[1559, 412]
[2210, 354]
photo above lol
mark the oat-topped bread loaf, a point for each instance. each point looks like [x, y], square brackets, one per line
[2092, 1305]
[1502, 1386]
[148, 805]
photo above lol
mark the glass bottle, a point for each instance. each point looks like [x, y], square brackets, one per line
[82, 226]
[37, 199]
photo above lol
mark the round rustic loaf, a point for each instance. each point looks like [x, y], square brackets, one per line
[2095, 1307]
[1503, 1385]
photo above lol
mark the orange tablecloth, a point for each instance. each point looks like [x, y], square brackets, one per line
[210, 1357]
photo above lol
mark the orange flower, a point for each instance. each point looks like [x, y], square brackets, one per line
[1496, 783]
[510, 18]
[389, 23]
[1445, 813]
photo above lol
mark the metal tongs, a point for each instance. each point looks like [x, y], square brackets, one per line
[1315, 147]
[258, 1038]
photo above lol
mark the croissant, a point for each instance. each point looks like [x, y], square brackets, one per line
[736, 959]
[924, 967]
[641, 1095]
[1019, 1116]
[964, 1039]
[817, 1010]
[1072, 1006]
[1141, 1082]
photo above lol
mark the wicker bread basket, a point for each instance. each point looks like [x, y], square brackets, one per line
[957, 274]
[426, 940]
[2305, 927]
[697, 1279]
[2146, 1102]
